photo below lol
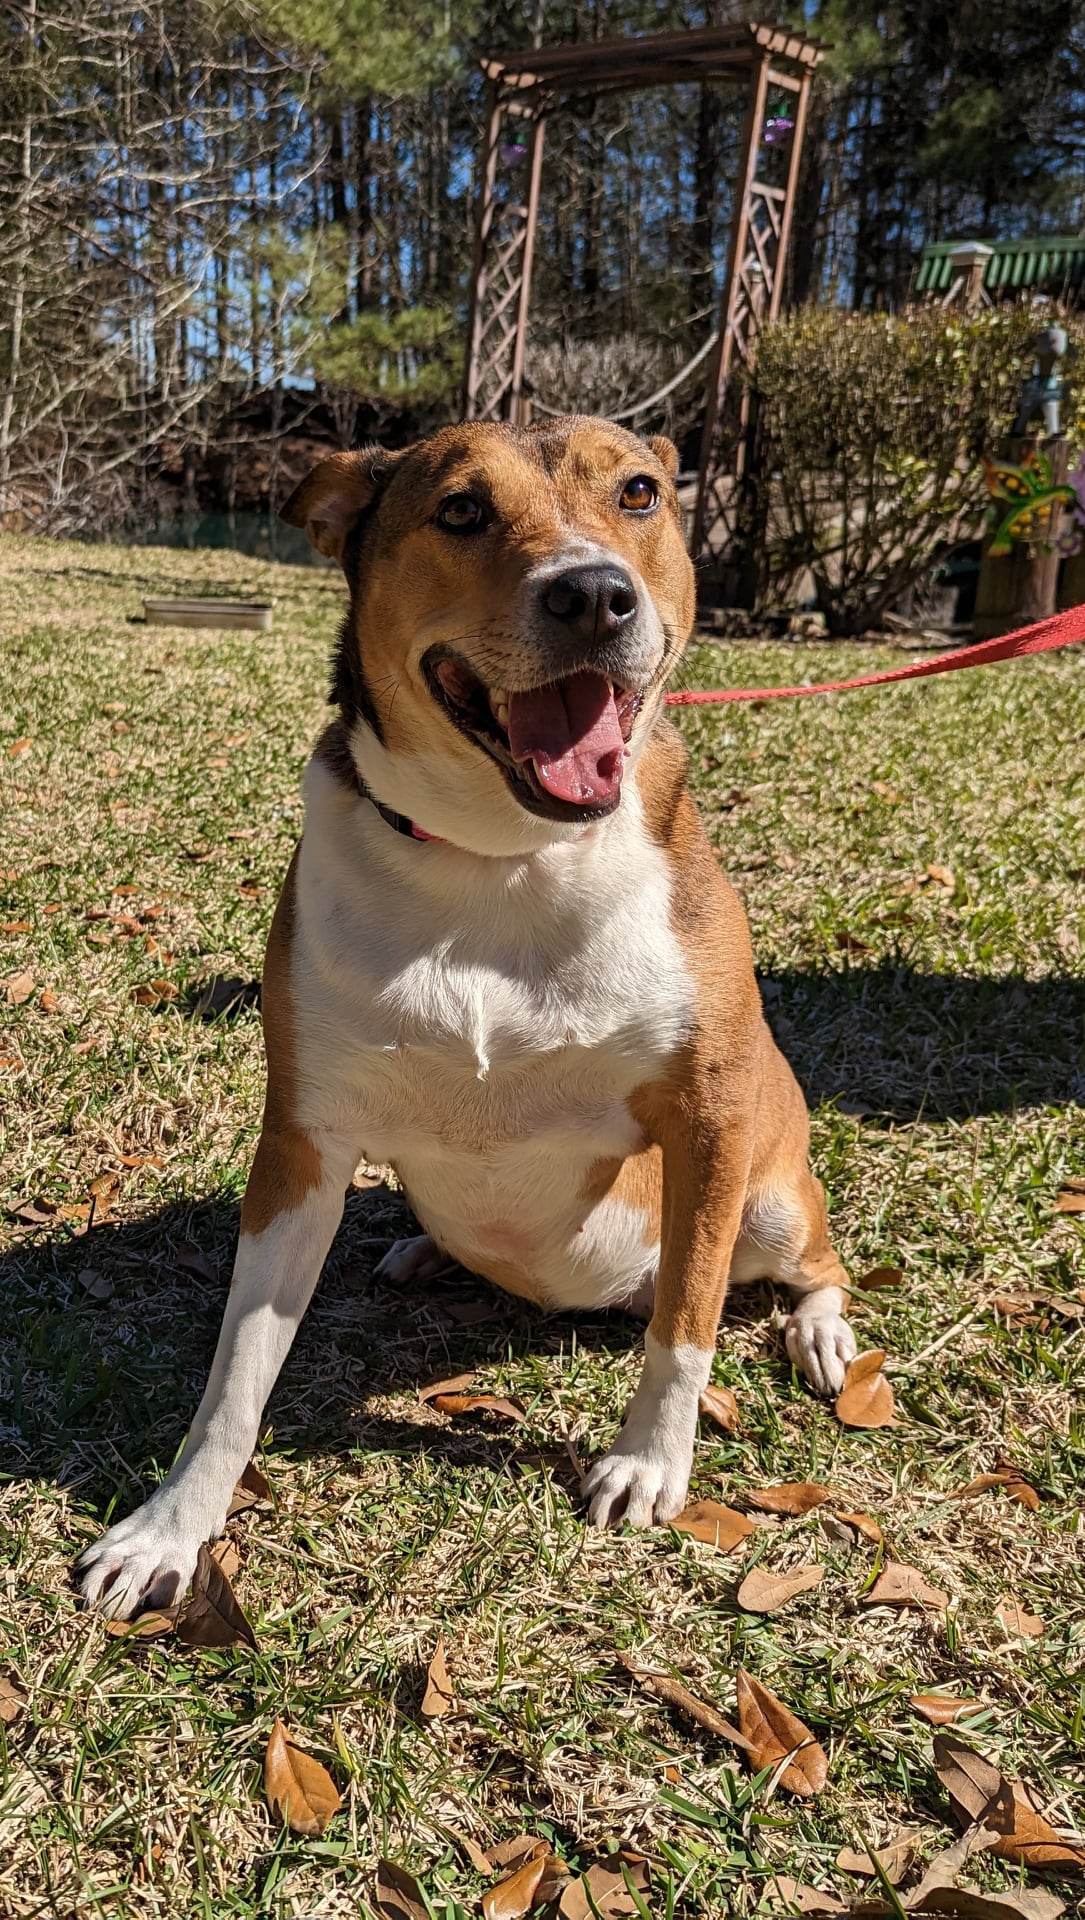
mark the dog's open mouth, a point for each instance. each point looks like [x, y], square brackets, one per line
[562, 747]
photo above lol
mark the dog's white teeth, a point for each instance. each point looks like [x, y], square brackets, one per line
[499, 706]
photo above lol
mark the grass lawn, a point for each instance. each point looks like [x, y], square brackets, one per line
[913, 862]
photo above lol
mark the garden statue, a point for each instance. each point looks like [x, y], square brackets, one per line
[1045, 390]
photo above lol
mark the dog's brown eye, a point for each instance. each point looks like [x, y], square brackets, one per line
[461, 513]
[639, 495]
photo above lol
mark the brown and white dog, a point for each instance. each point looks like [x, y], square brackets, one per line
[506, 963]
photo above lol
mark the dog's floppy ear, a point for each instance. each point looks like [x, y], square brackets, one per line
[666, 452]
[331, 499]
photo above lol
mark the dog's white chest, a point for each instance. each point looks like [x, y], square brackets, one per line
[485, 1038]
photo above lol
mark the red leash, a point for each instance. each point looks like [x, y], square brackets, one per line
[1047, 636]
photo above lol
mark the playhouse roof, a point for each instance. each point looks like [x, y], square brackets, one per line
[651, 59]
[1050, 263]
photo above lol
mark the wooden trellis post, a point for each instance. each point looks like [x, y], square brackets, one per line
[752, 294]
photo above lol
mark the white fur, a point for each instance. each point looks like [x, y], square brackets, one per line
[819, 1340]
[644, 1477]
[148, 1559]
[482, 1024]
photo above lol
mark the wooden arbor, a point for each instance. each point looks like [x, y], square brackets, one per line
[523, 88]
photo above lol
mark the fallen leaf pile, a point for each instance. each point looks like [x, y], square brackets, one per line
[979, 1792]
[534, 1879]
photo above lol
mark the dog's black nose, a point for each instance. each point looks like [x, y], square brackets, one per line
[593, 602]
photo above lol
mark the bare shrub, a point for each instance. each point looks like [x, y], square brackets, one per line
[874, 429]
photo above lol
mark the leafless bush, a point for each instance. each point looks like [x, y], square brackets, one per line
[605, 376]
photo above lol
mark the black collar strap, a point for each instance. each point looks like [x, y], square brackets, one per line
[400, 821]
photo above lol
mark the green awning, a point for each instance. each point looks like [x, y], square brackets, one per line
[1051, 263]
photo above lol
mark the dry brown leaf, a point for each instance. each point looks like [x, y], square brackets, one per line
[763, 1592]
[942, 876]
[864, 1524]
[48, 1001]
[477, 1855]
[145, 1626]
[397, 1894]
[438, 1698]
[522, 1846]
[252, 1490]
[722, 1527]
[226, 1557]
[604, 1890]
[1007, 1480]
[791, 1496]
[797, 1898]
[456, 1404]
[300, 1792]
[942, 1709]
[866, 1398]
[18, 989]
[719, 1404]
[12, 1701]
[943, 1871]
[674, 1694]
[98, 1285]
[17, 748]
[978, 1791]
[155, 994]
[894, 1858]
[1017, 1620]
[537, 1880]
[1069, 1200]
[968, 1903]
[900, 1586]
[774, 1734]
[213, 1616]
[192, 1259]
[455, 1384]
[879, 1279]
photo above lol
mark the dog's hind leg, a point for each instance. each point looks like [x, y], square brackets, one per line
[416, 1258]
[785, 1238]
[292, 1208]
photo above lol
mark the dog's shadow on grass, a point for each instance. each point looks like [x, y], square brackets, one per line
[893, 1043]
[109, 1333]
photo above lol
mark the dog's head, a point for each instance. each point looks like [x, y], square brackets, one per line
[518, 598]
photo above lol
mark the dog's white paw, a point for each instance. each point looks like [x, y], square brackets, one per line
[417, 1259]
[645, 1488]
[143, 1562]
[822, 1345]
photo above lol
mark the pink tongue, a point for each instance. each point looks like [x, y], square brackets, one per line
[572, 733]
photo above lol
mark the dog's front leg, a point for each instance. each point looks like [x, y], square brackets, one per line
[645, 1476]
[293, 1206]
